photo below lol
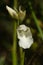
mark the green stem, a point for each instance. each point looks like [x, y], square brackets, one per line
[14, 49]
[15, 4]
[22, 55]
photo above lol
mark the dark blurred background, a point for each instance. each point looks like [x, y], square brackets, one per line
[33, 56]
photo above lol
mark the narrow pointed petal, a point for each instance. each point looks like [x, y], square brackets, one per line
[12, 12]
[22, 14]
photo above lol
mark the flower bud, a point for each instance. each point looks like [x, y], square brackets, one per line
[16, 14]
[12, 12]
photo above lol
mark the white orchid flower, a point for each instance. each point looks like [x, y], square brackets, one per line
[16, 14]
[24, 36]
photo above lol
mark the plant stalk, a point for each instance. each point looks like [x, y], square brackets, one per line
[22, 56]
[14, 49]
